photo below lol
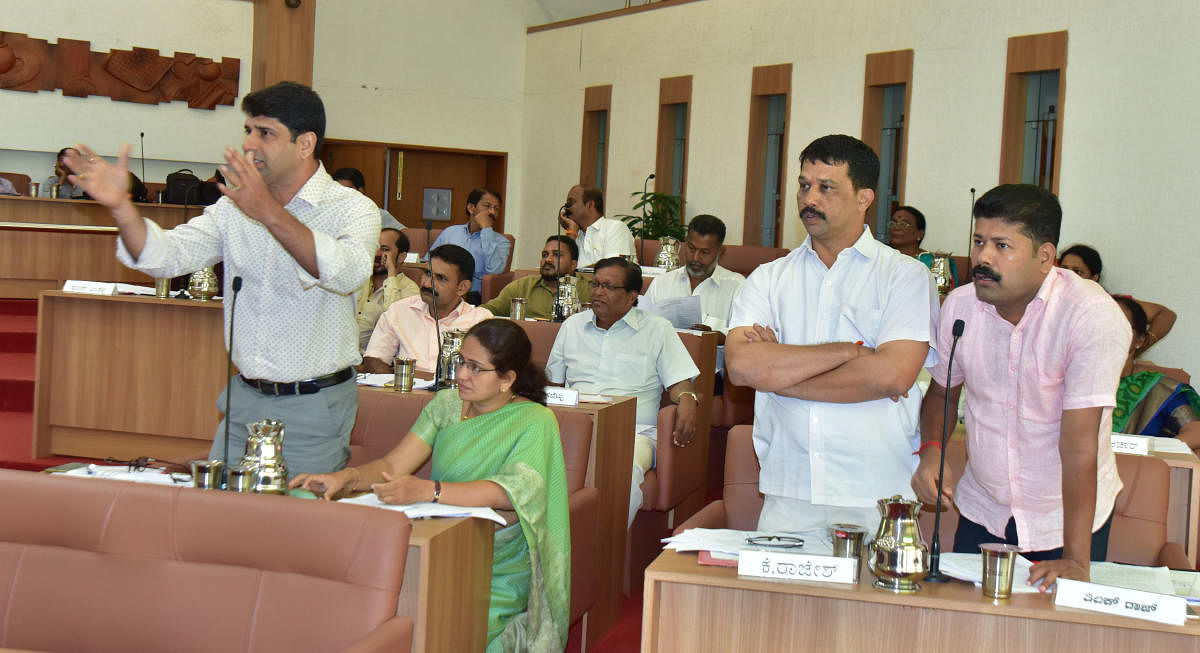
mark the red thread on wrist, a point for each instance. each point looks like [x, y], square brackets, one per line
[928, 443]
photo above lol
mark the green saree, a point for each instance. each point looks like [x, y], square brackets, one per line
[518, 448]
[1150, 403]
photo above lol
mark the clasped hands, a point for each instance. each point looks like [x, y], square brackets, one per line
[401, 490]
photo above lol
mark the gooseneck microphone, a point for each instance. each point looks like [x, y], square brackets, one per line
[237, 286]
[645, 190]
[142, 146]
[970, 225]
[935, 574]
[437, 327]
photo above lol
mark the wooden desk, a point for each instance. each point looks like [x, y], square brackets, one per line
[693, 608]
[126, 376]
[44, 242]
[447, 582]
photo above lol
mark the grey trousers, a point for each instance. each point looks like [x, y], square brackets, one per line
[317, 426]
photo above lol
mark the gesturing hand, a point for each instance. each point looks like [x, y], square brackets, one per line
[106, 183]
[403, 489]
[245, 186]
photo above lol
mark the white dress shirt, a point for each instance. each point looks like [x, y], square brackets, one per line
[827, 453]
[716, 293]
[290, 325]
[638, 356]
[606, 237]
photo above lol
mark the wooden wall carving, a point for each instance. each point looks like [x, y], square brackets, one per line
[138, 75]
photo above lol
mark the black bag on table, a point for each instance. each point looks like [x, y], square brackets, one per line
[183, 187]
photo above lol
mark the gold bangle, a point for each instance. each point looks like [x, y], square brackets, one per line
[687, 393]
[357, 477]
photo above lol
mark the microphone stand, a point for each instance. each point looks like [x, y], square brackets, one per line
[970, 223]
[935, 574]
[237, 286]
[437, 327]
[645, 191]
[142, 145]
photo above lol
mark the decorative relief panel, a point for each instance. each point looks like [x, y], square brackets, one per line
[138, 75]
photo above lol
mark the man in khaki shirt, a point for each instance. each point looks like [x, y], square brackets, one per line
[559, 257]
[386, 285]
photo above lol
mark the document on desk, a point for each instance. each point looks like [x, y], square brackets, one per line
[122, 473]
[729, 542]
[969, 567]
[424, 510]
[386, 379]
[1133, 577]
[682, 312]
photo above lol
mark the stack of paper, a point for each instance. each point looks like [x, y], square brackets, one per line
[122, 473]
[423, 510]
[385, 380]
[969, 567]
[730, 542]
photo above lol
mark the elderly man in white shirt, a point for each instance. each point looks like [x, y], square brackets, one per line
[598, 237]
[702, 275]
[301, 242]
[618, 349]
[832, 337]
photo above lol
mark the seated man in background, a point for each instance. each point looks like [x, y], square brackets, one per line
[66, 190]
[387, 284]
[1085, 261]
[353, 178]
[617, 349]
[703, 276]
[407, 330]
[477, 236]
[598, 237]
[559, 258]
[1040, 359]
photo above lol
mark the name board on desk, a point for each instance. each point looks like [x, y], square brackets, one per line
[1149, 606]
[1131, 444]
[556, 396]
[797, 566]
[90, 287]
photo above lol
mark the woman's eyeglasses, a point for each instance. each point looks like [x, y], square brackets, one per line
[471, 366]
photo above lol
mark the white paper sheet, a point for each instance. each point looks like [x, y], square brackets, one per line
[385, 380]
[730, 542]
[1132, 577]
[423, 510]
[122, 473]
[969, 567]
[682, 312]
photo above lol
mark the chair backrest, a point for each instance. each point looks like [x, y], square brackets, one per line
[19, 181]
[1139, 523]
[383, 419]
[646, 250]
[417, 243]
[512, 247]
[541, 336]
[743, 259]
[105, 565]
[743, 502]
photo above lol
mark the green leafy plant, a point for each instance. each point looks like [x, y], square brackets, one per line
[660, 216]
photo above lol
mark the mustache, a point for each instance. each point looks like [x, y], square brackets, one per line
[427, 289]
[809, 211]
[986, 272]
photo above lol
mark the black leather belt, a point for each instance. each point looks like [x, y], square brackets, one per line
[306, 387]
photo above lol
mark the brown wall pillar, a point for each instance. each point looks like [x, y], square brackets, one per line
[283, 42]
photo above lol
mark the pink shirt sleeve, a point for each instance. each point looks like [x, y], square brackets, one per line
[385, 341]
[1099, 344]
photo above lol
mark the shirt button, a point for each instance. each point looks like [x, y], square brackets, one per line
[828, 282]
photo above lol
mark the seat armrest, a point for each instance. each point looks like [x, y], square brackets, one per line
[710, 516]
[395, 634]
[1172, 555]
[681, 470]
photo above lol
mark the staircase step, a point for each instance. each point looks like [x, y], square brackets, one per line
[18, 307]
[18, 366]
[16, 395]
[17, 343]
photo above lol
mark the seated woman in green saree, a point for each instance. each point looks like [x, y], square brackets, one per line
[1148, 401]
[494, 443]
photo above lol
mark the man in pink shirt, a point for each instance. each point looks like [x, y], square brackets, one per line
[407, 329]
[1041, 356]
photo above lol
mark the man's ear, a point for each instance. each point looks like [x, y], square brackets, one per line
[307, 142]
[464, 287]
[865, 197]
[1047, 255]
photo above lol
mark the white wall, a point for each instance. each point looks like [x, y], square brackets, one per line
[37, 125]
[1128, 134]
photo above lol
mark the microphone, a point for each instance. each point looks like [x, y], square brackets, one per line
[970, 223]
[645, 190]
[935, 574]
[437, 327]
[237, 286]
[142, 141]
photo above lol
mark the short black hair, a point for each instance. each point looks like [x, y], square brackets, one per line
[1089, 256]
[633, 271]
[708, 225]
[1033, 208]
[402, 243]
[458, 257]
[1137, 315]
[352, 175]
[511, 351]
[569, 242]
[595, 196]
[63, 152]
[837, 149]
[297, 106]
[478, 193]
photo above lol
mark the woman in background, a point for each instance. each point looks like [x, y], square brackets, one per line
[1085, 261]
[906, 230]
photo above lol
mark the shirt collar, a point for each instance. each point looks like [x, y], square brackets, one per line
[314, 190]
[866, 245]
[634, 319]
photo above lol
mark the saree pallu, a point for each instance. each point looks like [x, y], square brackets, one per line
[1150, 403]
[518, 448]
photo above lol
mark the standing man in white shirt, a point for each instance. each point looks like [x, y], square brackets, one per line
[832, 338]
[619, 349]
[598, 237]
[702, 275]
[302, 244]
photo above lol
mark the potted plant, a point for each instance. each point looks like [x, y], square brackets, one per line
[660, 216]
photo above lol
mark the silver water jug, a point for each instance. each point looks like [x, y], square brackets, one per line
[943, 276]
[567, 302]
[668, 253]
[451, 347]
[898, 557]
[264, 457]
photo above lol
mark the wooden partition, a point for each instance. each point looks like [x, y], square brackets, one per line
[44, 242]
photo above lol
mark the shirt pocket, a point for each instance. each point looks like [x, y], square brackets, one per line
[859, 324]
[1041, 397]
